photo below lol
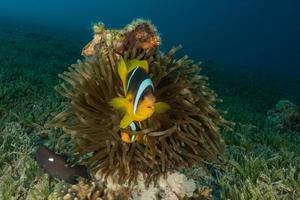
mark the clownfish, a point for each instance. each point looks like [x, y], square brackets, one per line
[126, 137]
[139, 102]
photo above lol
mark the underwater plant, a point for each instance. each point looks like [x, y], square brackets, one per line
[260, 164]
[182, 133]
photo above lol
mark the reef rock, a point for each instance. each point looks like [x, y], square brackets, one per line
[175, 186]
[285, 116]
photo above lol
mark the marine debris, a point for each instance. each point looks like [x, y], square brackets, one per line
[182, 131]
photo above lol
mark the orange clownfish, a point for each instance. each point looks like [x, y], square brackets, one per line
[130, 138]
[139, 101]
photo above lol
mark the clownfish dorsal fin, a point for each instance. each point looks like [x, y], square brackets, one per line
[122, 71]
[138, 63]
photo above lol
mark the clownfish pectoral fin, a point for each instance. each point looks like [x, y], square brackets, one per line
[126, 121]
[122, 71]
[138, 63]
[161, 107]
[119, 103]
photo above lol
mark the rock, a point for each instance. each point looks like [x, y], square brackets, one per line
[175, 186]
[285, 116]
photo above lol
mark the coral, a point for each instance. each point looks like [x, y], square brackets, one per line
[140, 34]
[90, 191]
[174, 186]
[285, 116]
[180, 184]
[185, 135]
[292, 120]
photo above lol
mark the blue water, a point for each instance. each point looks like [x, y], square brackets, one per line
[251, 34]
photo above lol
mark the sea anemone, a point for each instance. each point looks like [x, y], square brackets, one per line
[185, 135]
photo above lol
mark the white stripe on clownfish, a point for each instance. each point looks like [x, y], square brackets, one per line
[130, 78]
[133, 127]
[147, 82]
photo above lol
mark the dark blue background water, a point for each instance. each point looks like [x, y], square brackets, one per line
[255, 34]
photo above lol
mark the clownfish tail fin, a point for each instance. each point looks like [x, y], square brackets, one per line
[138, 63]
